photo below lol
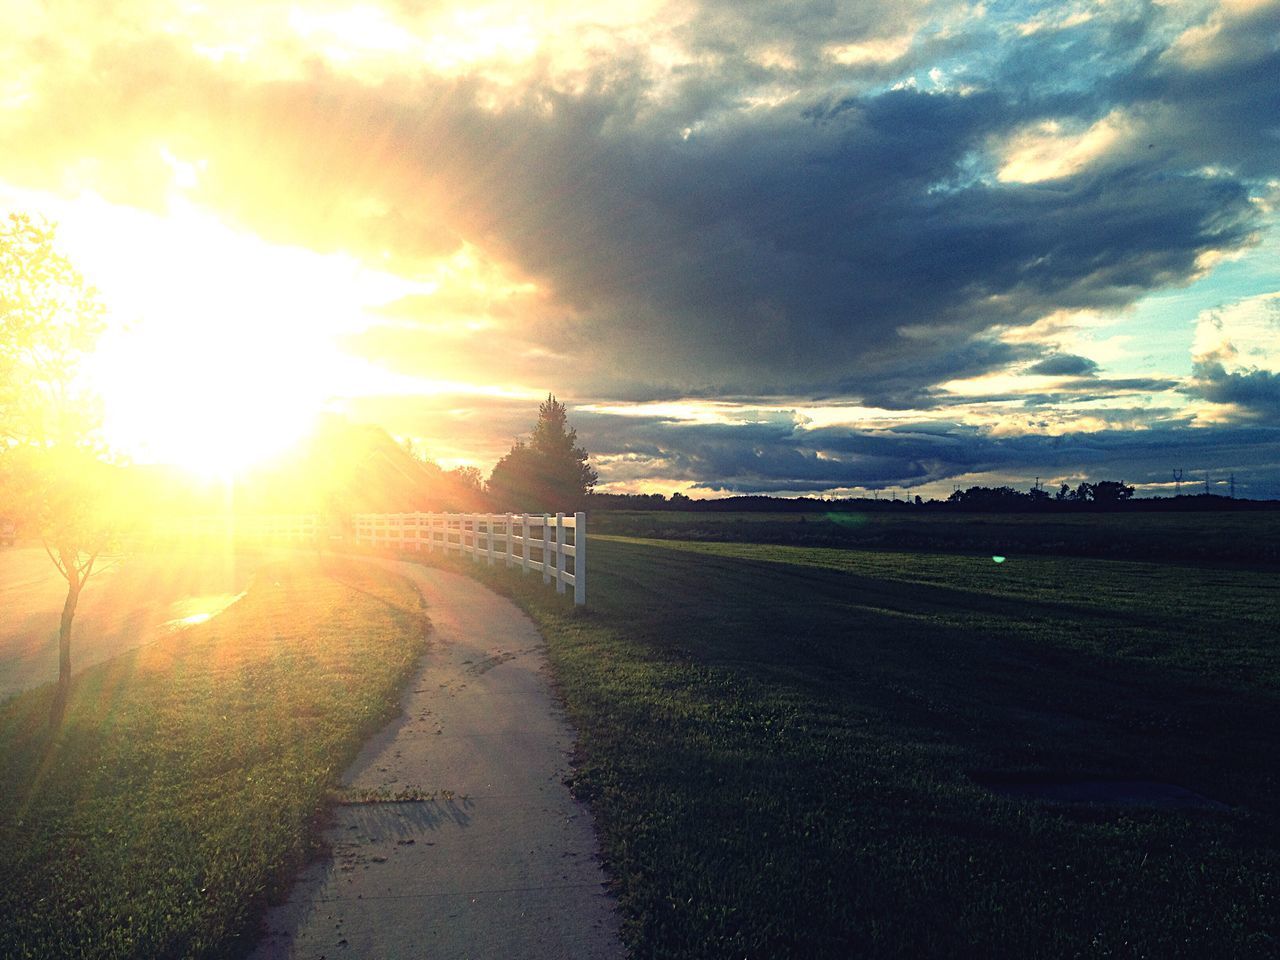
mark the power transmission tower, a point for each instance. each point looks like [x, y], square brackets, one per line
[1206, 483]
[1233, 486]
[1177, 483]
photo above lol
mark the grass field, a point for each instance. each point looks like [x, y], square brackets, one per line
[1252, 536]
[784, 749]
[186, 780]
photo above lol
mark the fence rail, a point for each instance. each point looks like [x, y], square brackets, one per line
[554, 545]
[538, 542]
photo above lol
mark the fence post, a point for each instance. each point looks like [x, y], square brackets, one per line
[559, 553]
[579, 559]
[524, 543]
[403, 530]
[546, 548]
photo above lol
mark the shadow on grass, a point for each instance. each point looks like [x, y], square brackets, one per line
[1014, 682]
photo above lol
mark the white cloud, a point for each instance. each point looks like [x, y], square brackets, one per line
[874, 52]
[1244, 335]
[1050, 150]
[1054, 22]
[1235, 30]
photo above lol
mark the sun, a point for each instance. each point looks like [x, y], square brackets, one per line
[223, 348]
[226, 361]
[222, 351]
[213, 406]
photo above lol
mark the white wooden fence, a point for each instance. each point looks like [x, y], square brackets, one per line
[531, 541]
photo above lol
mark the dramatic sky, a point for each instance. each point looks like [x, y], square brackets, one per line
[782, 246]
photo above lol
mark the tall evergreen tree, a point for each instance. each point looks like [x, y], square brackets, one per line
[547, 473]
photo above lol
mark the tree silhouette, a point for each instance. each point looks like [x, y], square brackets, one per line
[547, 473]
[1111, 492]
[53, 478]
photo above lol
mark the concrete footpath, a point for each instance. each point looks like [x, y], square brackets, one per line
[502, 862]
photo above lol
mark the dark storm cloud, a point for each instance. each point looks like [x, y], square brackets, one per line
[1217, 96]
[1064, 365]
[1256, 391]
[852, 243]
[1089, 388]
[783, 457]
[794, 250]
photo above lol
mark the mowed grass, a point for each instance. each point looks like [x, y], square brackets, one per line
[1246, 535]
[779, 745]
[186, 781]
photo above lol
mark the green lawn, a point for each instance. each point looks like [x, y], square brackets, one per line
[1220, 536]
[780, 745]
[186, 781]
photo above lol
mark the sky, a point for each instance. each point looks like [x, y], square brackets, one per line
[757, 247]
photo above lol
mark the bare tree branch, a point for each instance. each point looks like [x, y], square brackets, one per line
[56, 562]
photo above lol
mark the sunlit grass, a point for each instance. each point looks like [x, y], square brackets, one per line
[187, 778]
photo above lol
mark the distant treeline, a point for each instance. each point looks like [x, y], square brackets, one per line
[1103, 496]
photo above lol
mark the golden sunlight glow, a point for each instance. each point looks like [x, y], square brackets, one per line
[223, 348]
[677, 411]
[211, 404]
[501, 39]
[190, 611]
[464, 37]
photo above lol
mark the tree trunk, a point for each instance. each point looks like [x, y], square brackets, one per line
[74, 584]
